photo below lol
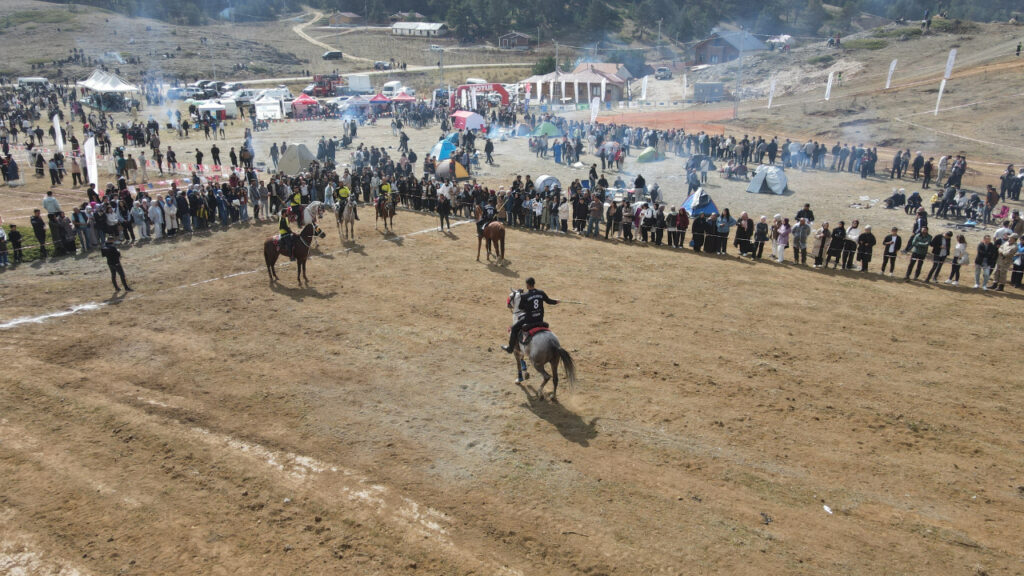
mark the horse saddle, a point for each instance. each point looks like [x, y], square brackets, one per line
[526, 335]
[284, 245]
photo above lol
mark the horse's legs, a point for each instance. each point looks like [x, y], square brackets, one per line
[554, 379]
[306, 278]
[489, 249]
[540, 368]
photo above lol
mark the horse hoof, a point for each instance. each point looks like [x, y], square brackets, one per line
[519, 380]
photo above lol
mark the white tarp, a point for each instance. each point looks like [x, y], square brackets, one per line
[268, 109]
[768, 180]
[105, 82]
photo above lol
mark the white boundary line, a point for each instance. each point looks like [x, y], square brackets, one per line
[75, 309]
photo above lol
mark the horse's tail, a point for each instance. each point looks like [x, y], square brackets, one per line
[570, 366]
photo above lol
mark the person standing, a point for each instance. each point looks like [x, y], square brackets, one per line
[918, 247]
[113, 256]
[39, 229]
[15, 237]
[865, 246]
[984, 260]
[822, 238]
[760, 237]
[940, 250]
[1004, 262]
[927, 172]
[959, 258]
[782, 242]
[799, 235]
[891, 245]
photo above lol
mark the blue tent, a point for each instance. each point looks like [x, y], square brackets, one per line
[699, 203]
[443, 150]
[452, 138]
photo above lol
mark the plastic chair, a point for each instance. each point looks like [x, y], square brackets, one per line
[1005, 212]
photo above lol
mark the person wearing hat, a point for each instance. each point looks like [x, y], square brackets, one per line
[113, 256]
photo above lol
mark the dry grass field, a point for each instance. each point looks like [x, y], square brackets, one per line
[730, 417]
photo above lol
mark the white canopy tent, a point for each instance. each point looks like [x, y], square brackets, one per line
[106, 82]
[268, 108]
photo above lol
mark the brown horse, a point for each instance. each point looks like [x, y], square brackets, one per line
[493, 232]
[386, 211]
[300, 248]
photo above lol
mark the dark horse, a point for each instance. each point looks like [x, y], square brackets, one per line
[385, 212]
[300, 248]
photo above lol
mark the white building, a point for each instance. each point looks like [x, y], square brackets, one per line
[421, 29]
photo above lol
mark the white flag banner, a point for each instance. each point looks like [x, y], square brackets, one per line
[684, 87]
[949, 63]
[89, 148]
[771, 92]
[595, 107]
[643, 89]
[473, 99]
[58, 133]
[551, 91]
[828, 88]
[540, 90]
[576, 90]
[942, 88]
[892, 70]
[562, 95]
[604, 81]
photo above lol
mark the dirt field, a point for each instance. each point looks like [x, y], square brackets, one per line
[729, 418]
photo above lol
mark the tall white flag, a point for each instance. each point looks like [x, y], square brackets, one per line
[942, 88]
[643, 89]
[892, 69]
[563, 89]
[576, 90]
[949, 63]
[58, 133]
[828, 88]
[771, 92]
[551, 91]
[684, 87]
[604, 81]
[595, 107]
[89, 148]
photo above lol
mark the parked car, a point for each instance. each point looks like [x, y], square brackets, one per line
[333, 55]
[381, 65]
[308, 90]
[662, 73]
[182, 93]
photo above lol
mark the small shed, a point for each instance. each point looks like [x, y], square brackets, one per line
[343, 19]
[514, 41]
[725, 45]
[420, 29]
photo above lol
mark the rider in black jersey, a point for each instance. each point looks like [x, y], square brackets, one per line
[531, 303]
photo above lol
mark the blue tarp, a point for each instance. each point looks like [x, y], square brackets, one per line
[453, 138]
[699, 203]
[443, 150]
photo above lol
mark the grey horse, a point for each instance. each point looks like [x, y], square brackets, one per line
[542, 349]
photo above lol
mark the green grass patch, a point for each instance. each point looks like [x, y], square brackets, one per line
[39, 61]
[908, 31]
[37, 17]
[952, 26]
[823, 60]
[865, 44]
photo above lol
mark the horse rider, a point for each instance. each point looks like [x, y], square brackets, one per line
[531, 304]
[385, 194]
[487, 214]
[341, 197]
[287, 236]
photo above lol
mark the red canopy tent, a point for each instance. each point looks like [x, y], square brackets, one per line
[302, 105]
[403, 98]
[379, 99]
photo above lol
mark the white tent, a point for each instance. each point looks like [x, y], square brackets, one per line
[297, 158]
[213, 108]
[105, 82]
[268, 108]
[768, 180]
[546, 180]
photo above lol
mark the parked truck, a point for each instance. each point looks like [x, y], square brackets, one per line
[359, 84]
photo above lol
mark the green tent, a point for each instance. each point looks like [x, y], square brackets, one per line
[648, 155]
[547, 129]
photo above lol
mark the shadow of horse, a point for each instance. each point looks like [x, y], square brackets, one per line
[502, 269]
[299, 293]
[570, 425]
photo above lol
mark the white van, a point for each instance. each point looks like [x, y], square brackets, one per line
[390, 89]
[280, 93]
[31, 81]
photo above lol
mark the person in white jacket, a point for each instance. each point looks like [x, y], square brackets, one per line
[139, 216]
[564, 210]
[171, 214]
[959, 259]
[156, 216]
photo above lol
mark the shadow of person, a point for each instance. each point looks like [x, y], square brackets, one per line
[570, 425]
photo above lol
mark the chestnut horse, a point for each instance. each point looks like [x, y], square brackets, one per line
[300, 248]
[385, 212]
[493, 232]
